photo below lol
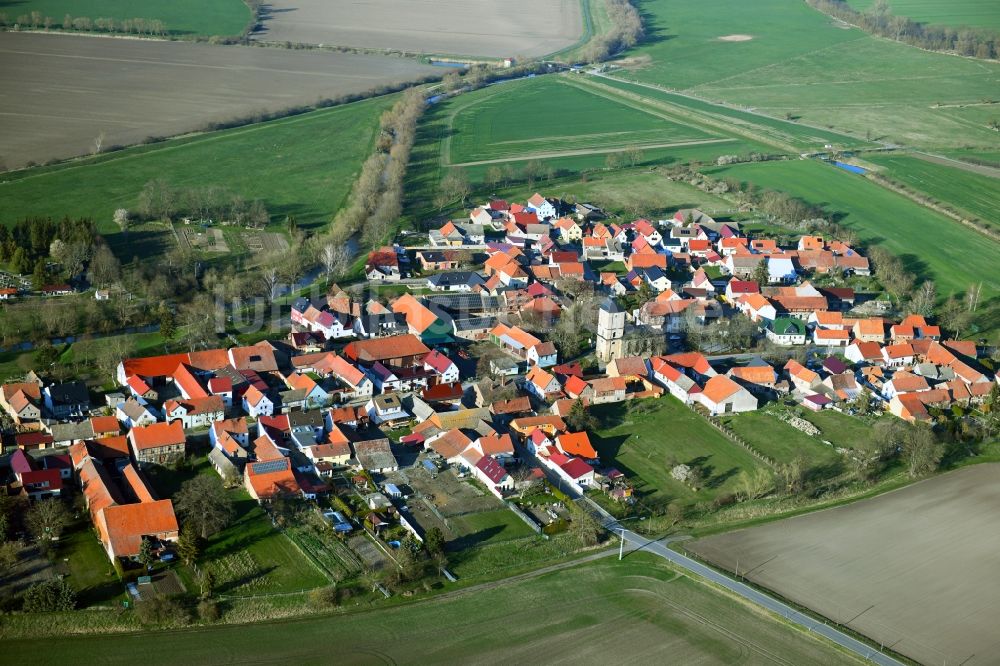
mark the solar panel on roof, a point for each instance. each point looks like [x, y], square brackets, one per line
[270, 466]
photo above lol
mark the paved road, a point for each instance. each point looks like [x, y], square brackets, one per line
[638, 542]
[757, 597]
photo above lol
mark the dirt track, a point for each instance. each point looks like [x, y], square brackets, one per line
[915, 569]
[981, 169]
[462, 27]
[59, 92]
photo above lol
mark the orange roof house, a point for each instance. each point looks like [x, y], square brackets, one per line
[157, 443]
[576, 444]
[269, 479]
[121, 524]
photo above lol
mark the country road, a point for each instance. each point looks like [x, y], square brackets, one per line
[757, 597]
[639, 542]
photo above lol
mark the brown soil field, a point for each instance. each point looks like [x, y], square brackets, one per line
[914, 569]
[483, 28]
[58, 93]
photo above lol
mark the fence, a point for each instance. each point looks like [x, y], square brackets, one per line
[525, 517]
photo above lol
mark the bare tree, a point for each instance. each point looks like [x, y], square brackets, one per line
[98, 143]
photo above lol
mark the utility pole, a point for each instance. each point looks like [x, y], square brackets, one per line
[621, 546]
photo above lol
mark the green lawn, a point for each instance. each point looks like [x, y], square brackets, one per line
[182, 17]
[90, 571]
[973, 194]
[252, 557]
[640, 441]
[802, 63]
[547, 114]
[931, 245]
[653, 613]
[783, 443]
[302, 166]
[957, 13]
[249, 556]
[488, 527]
[841, 430]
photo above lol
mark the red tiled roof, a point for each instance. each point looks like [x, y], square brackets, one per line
[157, 435]
[383, 349]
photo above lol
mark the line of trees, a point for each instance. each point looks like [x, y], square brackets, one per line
[159, 200]
[132, 26]
[376, 200]
[880, 20]
[626, 32]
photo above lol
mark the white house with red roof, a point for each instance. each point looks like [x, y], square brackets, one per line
[445, 369]
[542, 207]
[737, 288]
[256, 403]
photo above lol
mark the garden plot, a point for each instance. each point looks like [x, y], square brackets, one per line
[264, 241]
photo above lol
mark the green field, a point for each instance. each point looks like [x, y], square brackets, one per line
[182, 17]
[975, 195]
[302, 166]
[781, 442]
[547, 115]
[650, 612]
[640, 441]
[802, 137]
[957, 13]
[802, 63]
[930, 244]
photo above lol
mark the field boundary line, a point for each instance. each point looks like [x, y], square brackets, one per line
[590, 151]
[980, 169]
[696, 117]
[193, 137]
[731, 107]
[880, 180]
[641, 104]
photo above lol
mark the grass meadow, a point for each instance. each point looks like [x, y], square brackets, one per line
[977, 196]
[956, 13]
[643, 605]
[302, 165]
[546, 115]
[182, 17]
[931, 245]
[801, 62]
[802, 137]
[780, 441]
[640, 439]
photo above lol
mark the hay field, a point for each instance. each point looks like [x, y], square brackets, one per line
[60, 92]
[526, 28]
[638, 609]
[956, 13]
[914, 569]
[802, 63]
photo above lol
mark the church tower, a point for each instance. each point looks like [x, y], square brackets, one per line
[610, 331]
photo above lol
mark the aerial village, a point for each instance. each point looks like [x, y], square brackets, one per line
[462, 377]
